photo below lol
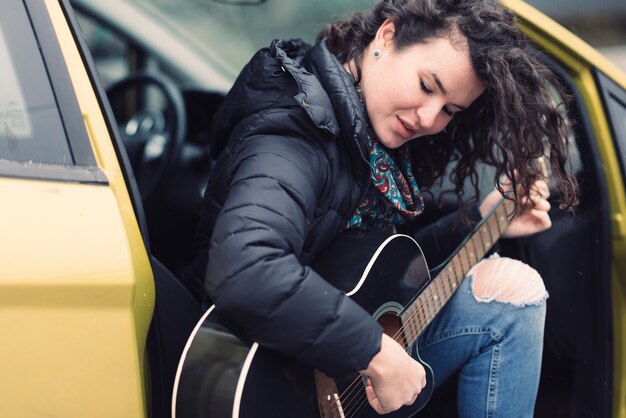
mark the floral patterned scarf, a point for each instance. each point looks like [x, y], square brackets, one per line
[395, 197]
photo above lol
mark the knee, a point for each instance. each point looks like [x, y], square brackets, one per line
[506, 280]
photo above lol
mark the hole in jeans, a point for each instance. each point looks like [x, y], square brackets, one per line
[507, 280]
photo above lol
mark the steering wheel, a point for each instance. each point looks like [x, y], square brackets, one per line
[153, 125]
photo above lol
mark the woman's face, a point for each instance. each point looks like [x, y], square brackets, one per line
[417, 91]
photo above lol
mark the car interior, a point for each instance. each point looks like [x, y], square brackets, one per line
[164, 125]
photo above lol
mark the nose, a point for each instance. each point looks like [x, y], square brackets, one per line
[426, 116]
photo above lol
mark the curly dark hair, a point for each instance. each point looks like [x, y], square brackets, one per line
[510, 126]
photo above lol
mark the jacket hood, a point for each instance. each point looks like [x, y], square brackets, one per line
[323, 89]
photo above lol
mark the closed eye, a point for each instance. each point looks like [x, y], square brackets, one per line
[428, 91]
[425, 88]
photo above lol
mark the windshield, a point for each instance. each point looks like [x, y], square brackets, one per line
[235, 31]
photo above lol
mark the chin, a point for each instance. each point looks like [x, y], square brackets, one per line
[399, 143]
[391, 143]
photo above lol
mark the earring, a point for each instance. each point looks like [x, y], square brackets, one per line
[377, 54]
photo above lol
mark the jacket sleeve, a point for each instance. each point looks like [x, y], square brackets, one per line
[254, 274]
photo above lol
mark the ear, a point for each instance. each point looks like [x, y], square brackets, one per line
[384, 35]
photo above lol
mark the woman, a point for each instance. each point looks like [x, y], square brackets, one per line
[308, 141]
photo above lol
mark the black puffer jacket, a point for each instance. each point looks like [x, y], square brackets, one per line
[291, 171]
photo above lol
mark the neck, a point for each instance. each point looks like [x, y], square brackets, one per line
[351, 69]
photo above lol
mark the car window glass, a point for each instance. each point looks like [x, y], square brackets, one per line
[115, 55]
[30, 123]
[108, 49]
[14, 117]
[575, 161]
[615, 102]
[247, 27]
[618, 117]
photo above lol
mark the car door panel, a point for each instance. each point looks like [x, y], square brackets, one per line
[76, 287]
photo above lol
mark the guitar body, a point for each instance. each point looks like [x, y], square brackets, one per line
[224, 374]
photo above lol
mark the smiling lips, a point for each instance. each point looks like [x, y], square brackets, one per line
[405, 129]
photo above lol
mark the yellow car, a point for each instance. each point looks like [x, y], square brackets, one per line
[105, 108]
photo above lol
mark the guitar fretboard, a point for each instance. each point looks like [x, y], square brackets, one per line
[423, 309]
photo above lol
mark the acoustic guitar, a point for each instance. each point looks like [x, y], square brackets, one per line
[222, 373]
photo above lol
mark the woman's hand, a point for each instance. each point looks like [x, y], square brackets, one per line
[395, 379]
[533, 216]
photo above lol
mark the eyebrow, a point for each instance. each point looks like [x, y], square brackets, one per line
[443, 90]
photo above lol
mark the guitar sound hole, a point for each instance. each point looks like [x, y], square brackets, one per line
[392, 327]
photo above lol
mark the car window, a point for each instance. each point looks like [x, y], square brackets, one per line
[31, 129]
[615, 102]
[575, 164]
[247, 25]
[108, 49]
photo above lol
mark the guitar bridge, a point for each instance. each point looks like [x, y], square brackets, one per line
[338, 405]
[328, 401]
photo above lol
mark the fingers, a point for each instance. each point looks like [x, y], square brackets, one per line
[540, 188]
[373, 399]
[533, 216]
[422, 385]
[543, 205]
[538, 196]
[394, 377]
[377, 406]
[536, 203]
[541, 218]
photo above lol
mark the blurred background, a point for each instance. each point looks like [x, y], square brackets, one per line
[601, 23]
[224, 34]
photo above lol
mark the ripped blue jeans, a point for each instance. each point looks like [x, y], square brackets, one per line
[491, 331]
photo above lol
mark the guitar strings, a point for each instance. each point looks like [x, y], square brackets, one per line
[439, 280]
[349, 392]
[428, 315]
[348, 397]
[424, 310]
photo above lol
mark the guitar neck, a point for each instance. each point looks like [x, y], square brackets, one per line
[418, 314]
